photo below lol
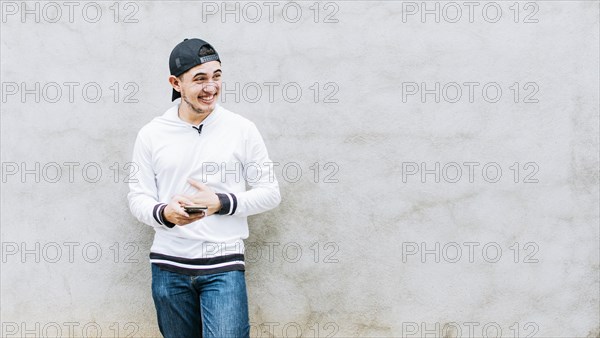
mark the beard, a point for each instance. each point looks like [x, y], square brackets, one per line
[196, 109]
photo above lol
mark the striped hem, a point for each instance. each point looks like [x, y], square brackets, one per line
[198, 266]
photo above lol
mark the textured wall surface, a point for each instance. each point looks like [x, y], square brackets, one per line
[438, 178]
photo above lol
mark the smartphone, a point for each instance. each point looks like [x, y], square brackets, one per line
[194, 209]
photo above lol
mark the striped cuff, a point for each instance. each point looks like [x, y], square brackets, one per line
[159, 216]
[228, 203]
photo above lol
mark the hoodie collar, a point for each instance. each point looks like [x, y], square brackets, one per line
[173, 115]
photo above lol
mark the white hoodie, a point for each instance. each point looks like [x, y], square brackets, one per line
[228, 154]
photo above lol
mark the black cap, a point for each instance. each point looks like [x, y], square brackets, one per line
[188, 54]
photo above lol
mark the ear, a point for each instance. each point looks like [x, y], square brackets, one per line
[174, 81]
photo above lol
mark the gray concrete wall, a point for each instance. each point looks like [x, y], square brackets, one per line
[437, 178]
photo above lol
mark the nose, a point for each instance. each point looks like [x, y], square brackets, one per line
[210, 88]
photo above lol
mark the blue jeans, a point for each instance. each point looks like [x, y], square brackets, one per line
[206, 306]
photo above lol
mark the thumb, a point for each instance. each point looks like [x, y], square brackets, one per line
[198, 185]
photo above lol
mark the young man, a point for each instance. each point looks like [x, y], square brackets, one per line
[199, 153]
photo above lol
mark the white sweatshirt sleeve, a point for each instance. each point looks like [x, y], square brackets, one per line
[260, 176]
[143, 195]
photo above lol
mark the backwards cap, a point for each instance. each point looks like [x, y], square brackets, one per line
[188, 54]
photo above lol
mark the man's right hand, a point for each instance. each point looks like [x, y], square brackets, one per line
[174, 212]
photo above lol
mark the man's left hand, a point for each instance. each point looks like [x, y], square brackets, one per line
[205, 196]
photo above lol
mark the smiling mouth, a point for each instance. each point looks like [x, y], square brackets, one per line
[207, 99]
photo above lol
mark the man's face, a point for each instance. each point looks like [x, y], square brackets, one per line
[200, 87]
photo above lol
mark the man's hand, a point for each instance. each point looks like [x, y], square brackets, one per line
[174, 212]
[205, 196]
